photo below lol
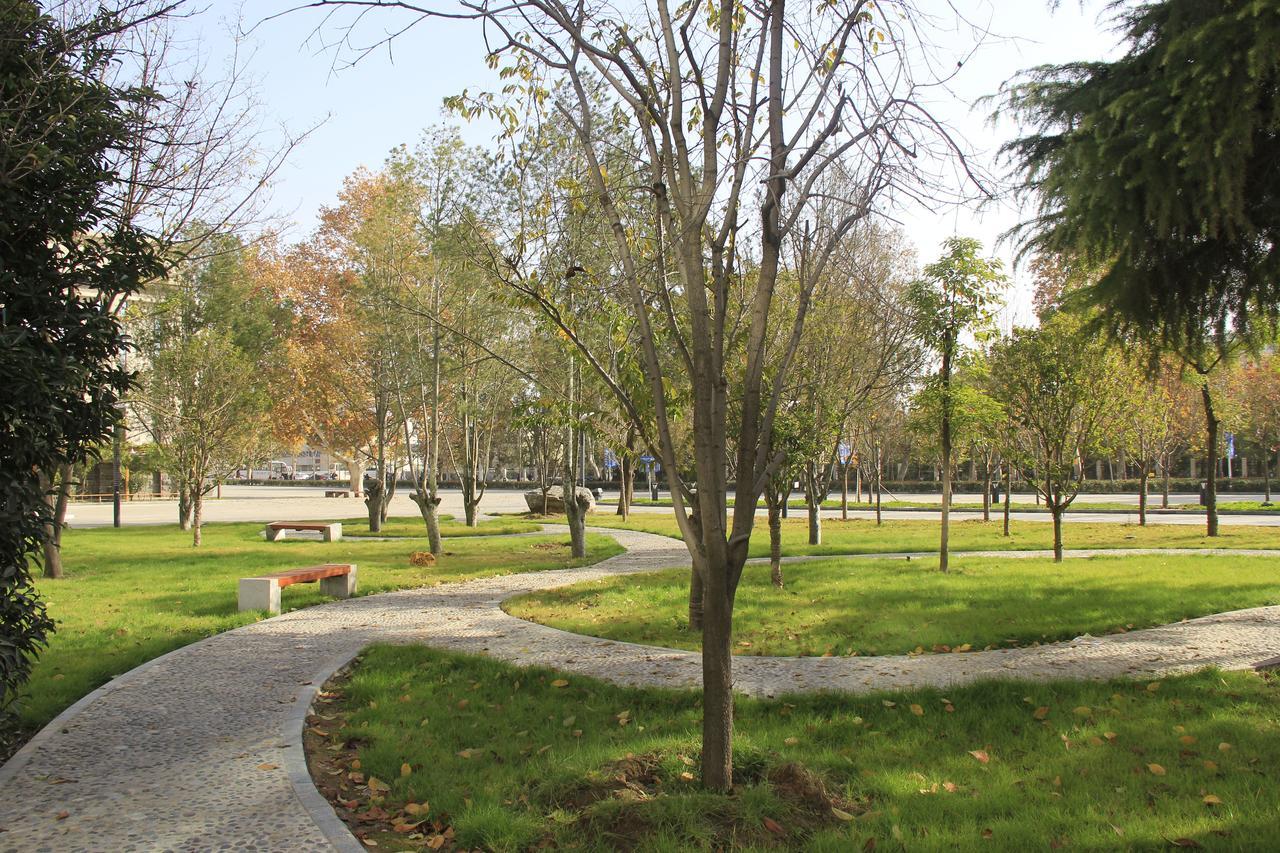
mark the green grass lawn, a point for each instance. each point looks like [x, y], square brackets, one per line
[504, 758]
[885, 606]
[862, 536]
[414, 527]
[132, 594]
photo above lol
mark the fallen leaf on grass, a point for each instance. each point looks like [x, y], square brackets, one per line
[1187, 740]
[1082, 711]
[415, 808]
[405, 769]
[791, 741]
[1041, 712]
[1185, 842]
[686, 776]
[1224, 747]
[560, 682]
[981, 755]
[376, 785]
[840, 814]
[1156, 769]
[773, 826]
[436, 842]
[1211, 800]
[917, 710]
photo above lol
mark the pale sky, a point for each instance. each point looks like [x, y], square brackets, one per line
[388, 99]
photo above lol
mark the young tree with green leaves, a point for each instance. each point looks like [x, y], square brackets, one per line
[956, 296]
[207, 347]
[1059, 384]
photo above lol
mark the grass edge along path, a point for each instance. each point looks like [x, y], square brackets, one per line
[133, 594]
[419, 749]
[888, 606]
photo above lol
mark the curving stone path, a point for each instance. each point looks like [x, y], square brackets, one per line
[201, 749]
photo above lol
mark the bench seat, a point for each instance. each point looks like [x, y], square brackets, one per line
[330, 531]
[263, 592]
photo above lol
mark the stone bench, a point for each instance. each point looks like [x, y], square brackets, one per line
[329, 531]
[336, 493]
[263, 592]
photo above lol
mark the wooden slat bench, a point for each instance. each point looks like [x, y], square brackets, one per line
[336, 493]
[263, 592]
[329, 531]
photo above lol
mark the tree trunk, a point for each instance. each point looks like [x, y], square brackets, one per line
[373, 503]
[772, 501]
[184, 505]
[1211, 479]
[57, 492]
[1266, 478]
[813, 502]
[946, 455]
[1056, 509]
[717, 683]
[1143, 470]
[879, 482]
[1008, 497]
[986, 491]
[197, 511]
[1164, 492]
[697, 585]
[575, 511]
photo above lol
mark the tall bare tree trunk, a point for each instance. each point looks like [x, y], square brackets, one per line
[1211, 458]
[943, 545]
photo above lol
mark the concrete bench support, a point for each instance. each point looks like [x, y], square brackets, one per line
[339, 586]
[263, 593]
[260, 594]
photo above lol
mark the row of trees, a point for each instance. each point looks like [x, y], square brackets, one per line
[609, 234]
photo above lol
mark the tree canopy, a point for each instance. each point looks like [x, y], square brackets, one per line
[1162, 168]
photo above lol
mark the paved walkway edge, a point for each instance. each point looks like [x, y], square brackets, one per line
[295, 760]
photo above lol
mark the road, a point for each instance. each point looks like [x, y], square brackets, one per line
[296, 503]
